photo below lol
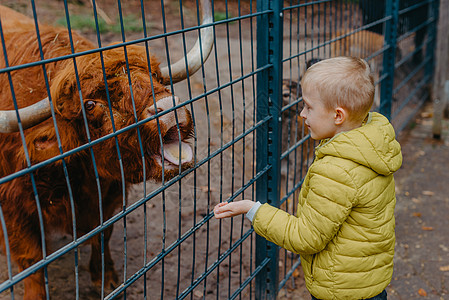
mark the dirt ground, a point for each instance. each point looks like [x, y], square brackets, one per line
[152, 228]
[158, 223]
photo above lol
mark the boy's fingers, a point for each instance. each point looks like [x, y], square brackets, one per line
[218, 216]
[219, 206]
[223, 211]
[225, 214]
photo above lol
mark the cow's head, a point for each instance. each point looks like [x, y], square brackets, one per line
[130, 97]
[134, 100]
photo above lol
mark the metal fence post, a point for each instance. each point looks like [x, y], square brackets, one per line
[392, 11]
[431, 40]
[269, 104]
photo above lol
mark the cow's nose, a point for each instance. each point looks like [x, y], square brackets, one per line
[175, 118]
[164, 104]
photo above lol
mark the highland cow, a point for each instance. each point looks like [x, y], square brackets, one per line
[294, 139]
[81, 189]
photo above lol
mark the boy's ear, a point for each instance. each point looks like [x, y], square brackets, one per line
[340, 115]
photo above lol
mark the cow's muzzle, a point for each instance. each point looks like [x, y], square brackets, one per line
[172, 124]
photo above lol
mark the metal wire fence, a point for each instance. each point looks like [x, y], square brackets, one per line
[107, 193]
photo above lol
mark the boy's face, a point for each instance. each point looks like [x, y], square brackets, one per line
[319, 119]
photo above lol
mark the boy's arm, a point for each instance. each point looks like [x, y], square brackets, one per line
[327, 205]
[252, 212]
[232, 209]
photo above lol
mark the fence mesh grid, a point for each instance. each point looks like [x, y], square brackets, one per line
[95, 201]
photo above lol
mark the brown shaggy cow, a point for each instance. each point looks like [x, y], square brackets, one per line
[147, 151]
[294, 132]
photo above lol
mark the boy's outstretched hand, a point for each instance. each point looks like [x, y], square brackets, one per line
[232, 209]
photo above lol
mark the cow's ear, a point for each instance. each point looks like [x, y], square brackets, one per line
[42, 142]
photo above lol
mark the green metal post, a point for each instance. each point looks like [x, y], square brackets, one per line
[431, 39]
[269, 103]
[391, 9]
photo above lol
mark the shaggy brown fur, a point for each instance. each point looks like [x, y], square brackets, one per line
[294, 166]
[18, 201]
[293, 130]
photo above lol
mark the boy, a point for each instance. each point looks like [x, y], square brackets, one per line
[344, 228]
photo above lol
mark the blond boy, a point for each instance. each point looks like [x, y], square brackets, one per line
[344, 227]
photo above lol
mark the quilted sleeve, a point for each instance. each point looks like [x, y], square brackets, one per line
[329, 197]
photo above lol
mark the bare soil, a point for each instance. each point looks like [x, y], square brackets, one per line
[154, 223]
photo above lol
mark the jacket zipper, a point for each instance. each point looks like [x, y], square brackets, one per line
[311, 265]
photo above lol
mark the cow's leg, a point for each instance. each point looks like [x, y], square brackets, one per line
[34, 284]
[95, 266]
[24, 237]
[26, 251]
[112, 201]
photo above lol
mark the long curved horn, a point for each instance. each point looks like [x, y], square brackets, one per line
[194, 61]
[29, 116]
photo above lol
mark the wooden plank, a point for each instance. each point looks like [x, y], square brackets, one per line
[441, 79]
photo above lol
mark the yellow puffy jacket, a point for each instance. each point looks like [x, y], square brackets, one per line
[344, 228]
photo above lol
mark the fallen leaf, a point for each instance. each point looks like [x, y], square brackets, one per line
[198, 294]
[415, 200]
[428, 193]
[417, 214]
[427, 228]
[444, 268]
[206, 189]
[444, 248]
[427, 114]
[422, 292]
[296, 273]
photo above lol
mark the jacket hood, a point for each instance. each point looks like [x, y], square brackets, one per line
[372, 145]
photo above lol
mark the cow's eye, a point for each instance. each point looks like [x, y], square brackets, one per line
[158, 79]
[89, 105]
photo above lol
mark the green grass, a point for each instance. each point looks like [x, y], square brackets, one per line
[221, 16]
[85, 23]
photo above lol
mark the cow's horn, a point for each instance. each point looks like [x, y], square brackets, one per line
[194, 57]
[29, 116]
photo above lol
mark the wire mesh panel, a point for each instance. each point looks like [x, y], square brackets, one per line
[125, 122]
[396, 38]
[414, 64]
[78, 173]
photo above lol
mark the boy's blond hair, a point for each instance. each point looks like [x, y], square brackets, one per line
[342, 82]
